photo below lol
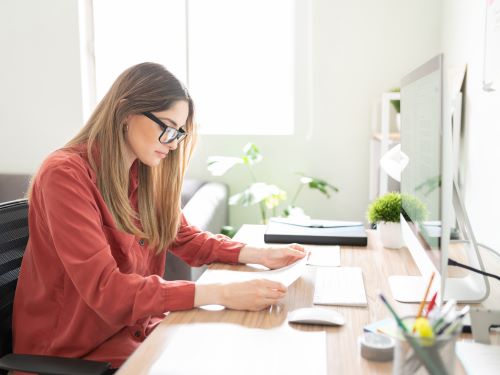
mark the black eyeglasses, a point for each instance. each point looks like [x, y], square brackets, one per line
[169, 133]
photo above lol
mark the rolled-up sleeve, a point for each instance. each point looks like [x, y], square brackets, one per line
[197, 247]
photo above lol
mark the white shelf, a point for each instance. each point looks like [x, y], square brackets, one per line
[381, 141]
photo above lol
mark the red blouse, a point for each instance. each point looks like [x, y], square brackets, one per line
[86, 289]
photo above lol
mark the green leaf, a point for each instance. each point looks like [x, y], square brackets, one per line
[252, 154]
[429, 185]
[219, 165]
[388, 207]
[319, 184]
[258, 192]
[294, 211]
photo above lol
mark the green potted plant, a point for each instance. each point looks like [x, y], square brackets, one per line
[385, 212]
[267, 197]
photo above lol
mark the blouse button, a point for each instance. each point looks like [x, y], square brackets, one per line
[137, 334]
[141, 242]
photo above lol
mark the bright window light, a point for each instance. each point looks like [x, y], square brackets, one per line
[236, 57]
[128, 32]
[241, 65]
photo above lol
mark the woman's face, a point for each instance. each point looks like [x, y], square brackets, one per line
[142, 134]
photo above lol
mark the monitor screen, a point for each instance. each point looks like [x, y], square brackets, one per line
[421, 141]
[430, 199]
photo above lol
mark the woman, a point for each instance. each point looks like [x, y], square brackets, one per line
[103, 212]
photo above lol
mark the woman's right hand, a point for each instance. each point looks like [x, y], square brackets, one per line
[250, 295]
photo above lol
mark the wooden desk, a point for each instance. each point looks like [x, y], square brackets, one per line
[377, 264]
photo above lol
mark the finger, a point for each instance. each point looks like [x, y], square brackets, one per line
[296, 246]
[271, 301]
[274, 285]
[274, 294]
[280, 288]
[295, 253]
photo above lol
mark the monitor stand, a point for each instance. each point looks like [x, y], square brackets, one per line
[472, 288]
[411, 289]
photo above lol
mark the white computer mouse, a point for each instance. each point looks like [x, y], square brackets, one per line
[316, 315]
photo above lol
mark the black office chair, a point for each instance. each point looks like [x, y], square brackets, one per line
[13, 240]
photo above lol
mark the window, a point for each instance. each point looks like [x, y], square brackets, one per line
[128, 32]
[236, 57]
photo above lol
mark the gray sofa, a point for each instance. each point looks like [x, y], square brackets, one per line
[204, 205]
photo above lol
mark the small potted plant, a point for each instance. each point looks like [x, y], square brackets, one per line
[265, 196]
[385, 212]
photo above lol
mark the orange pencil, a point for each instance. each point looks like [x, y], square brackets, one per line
[422, 304]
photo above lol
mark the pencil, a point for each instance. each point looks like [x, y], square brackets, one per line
[431, 304]
[427, 361]
[422, 304]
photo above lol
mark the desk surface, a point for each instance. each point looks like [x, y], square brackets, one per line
[343, 355]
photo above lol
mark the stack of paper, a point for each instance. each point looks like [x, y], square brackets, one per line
[479, 358]
[220, 348]
[323, 255]
[286, 275]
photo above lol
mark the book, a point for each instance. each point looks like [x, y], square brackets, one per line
[318, 232]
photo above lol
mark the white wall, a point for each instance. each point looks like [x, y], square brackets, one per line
[40, 83]
[463, 36]
[358, 50]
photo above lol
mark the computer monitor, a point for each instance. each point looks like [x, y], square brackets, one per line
[430, 198]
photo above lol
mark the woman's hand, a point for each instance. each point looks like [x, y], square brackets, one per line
[250, 295]
[272, 257]
[253, 295]
[277, 257]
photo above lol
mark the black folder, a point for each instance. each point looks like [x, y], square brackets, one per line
[327, 233]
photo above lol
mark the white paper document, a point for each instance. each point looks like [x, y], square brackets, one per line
[221, 348]
[478, 358]
[323, 255]
[286, 275]
[315, 223]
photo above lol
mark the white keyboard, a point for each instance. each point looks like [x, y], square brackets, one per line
[339, 286]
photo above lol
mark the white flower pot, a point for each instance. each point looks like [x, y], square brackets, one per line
[390, 234]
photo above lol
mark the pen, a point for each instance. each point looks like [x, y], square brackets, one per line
[424, 356]
[454, 322]
[422, 304]
[431, 305]
[445, 311]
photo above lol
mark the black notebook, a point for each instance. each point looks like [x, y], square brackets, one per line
[324, 232]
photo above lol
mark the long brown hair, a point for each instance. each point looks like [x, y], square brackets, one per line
[141, 88]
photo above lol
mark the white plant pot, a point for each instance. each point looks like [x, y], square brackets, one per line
[390, 234]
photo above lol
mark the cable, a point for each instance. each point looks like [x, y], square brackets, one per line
[495, 252]
[452, 262]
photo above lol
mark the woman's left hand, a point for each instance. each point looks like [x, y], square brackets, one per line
[272, 257]
[277, 257]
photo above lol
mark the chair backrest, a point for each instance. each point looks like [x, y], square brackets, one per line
[13, 240]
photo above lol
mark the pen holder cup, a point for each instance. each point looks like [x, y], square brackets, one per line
[418, 355]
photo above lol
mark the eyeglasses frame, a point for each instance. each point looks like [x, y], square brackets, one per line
[180, 133]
